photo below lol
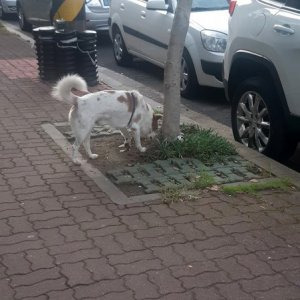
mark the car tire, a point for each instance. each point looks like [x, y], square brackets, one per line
[23, 23]
[188, 78]
[257, 119]
[121, 55]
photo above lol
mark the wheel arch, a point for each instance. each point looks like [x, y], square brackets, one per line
[245, 65]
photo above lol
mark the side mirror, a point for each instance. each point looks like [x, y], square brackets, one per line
[156, 5]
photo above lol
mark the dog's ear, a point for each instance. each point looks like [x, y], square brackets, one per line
[155, 119]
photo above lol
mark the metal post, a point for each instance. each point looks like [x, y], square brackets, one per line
[72, 12]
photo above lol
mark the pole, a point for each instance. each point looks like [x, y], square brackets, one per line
[71, 12]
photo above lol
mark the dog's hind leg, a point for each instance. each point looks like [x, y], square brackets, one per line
[80, 137]
[87, 147]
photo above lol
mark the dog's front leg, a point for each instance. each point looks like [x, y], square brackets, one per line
[137, 139]
[126, 136]
[75, 148]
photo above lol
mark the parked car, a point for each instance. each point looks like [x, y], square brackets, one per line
[7, 7]
[261, 74]
[37, 13]
[142, 29]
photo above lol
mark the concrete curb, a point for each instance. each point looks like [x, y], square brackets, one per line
[119, 81]
[279, 170]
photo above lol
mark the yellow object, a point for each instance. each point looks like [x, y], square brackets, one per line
[69, 10]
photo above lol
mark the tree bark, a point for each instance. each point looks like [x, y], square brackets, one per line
[171, 119]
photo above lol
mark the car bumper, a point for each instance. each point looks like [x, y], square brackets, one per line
[97, 21]
[213, 69]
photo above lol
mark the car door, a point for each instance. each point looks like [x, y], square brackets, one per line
[156, 29]
[286, 26]
[145, 31]
[130, 15]
[41, 11]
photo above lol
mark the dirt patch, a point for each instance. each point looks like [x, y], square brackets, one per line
[112, 157]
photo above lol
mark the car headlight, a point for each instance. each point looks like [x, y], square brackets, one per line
[93, 3]
[214, 41]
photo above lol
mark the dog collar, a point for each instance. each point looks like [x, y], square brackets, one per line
[133, 109]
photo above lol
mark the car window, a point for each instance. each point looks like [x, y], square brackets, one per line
[199, 5]
[293, 4]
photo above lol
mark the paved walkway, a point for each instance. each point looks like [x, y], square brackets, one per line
[61, 238]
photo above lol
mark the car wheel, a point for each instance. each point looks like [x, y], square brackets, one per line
[257, 119]
[121, 55]
[3, 14]
[188, 78]
[23, 23]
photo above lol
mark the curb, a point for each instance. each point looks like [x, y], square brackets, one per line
[122, 82]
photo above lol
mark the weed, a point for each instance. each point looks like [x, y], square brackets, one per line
[204, 180]
[177, 192]
[171, 194]
[253, 188]
[202, 144]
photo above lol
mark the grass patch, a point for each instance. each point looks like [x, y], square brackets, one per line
[171, 194]
[177, 192]
[202, 181]
[282, 184]
[202, 144]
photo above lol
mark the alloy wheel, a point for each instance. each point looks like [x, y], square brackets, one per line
[253, 121]
[184, 76]
[118, 46]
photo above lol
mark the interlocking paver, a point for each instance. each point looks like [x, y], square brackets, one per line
[16, 263]
[263, 283]
[141, 286]
[39, 259]
[76, 274]
[62, 238]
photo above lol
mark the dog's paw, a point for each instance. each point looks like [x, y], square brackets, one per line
[94, 156]
[77, 162]
[143, 149]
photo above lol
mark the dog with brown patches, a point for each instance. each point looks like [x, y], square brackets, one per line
[123, 110]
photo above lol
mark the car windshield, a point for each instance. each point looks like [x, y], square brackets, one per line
[199, 5]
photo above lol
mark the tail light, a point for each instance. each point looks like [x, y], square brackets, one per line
[232, 5]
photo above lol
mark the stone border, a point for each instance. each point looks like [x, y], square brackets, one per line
[120, 81]
[116, 195]
[262, 161]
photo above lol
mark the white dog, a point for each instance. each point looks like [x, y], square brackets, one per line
[120, 109]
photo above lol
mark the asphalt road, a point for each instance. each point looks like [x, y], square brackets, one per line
[208, 101]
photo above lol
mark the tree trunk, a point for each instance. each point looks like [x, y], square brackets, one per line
[171, 119]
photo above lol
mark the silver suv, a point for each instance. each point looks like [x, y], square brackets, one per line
[38, 13]
[261, 74]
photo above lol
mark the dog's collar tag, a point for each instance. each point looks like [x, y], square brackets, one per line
[133, 109]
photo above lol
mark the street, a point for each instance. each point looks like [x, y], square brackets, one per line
[208, 101]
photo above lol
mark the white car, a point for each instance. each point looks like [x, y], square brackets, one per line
[261, 74]
[7, 7]
[142, 29]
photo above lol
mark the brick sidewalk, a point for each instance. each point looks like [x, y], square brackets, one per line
[61, 238]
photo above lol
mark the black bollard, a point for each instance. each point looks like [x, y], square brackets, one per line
[45, 46]
[87, 63]
[66, 49]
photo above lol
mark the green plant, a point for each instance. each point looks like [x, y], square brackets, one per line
[253, 188]
[171, 194]
[203, 144]
[203, 181]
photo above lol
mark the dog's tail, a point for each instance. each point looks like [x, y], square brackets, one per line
[62, 91]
